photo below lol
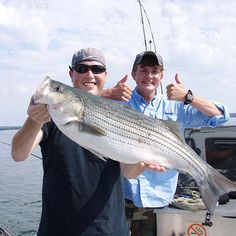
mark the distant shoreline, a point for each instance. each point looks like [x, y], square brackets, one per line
[9, 127]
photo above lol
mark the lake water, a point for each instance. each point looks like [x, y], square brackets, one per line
[20, 190]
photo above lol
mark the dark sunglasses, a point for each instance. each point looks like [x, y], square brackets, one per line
[82, 68]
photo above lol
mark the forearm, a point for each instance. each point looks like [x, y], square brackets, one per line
[26, 139]
[177, 92]
[208, 108]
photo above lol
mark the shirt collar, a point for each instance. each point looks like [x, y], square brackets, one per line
[141, 100]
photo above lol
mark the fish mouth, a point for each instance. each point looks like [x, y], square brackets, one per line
[40, 93]
[37, 97]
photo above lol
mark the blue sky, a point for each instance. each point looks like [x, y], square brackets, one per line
[38, 37]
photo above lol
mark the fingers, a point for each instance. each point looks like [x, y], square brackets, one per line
[156, 168]
[125, 98]
[39, 113]
[123, 80]
[153, 167]
[122, 83]
[177, 79]
[176, 91]
[122, 91]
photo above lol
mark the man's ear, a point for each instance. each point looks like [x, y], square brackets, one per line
[106, 75]
[162, 74]
[133, 74]
[71, 74]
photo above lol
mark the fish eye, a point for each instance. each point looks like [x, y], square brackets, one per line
[57, 88]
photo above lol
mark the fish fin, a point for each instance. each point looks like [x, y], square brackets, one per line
[92, 129]
[175, 127]
[213, 187]
[120, 103]
[128, 107]
[97, 154]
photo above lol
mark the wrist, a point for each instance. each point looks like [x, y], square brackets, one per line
[106, 93]
[35, 123]
[188, 99]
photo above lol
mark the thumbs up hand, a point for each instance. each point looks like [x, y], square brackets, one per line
[120, 92]
[123, 80]
[176, 91]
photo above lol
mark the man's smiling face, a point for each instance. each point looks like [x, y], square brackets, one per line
[89, 81]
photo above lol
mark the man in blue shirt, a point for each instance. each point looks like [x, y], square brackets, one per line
[151, 189]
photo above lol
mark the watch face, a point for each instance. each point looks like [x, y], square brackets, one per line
[189, 97]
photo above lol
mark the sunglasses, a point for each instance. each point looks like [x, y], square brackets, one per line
[82, 68]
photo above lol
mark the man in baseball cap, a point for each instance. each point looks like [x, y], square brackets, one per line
[82, 195]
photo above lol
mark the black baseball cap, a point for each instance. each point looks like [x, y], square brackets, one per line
[141, 55]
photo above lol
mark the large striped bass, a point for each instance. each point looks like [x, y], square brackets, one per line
[112, 130]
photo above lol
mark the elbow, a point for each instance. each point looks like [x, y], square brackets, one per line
[17, 153]
[16, 157]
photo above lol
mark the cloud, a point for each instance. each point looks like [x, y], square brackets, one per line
[39, 37]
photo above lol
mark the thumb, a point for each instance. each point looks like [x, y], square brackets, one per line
[123, 80]
[177, 79]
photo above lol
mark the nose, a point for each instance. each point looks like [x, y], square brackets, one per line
[149, 75]
[89, 72]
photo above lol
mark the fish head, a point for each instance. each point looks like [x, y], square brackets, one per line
[51, 92]
[60, 100]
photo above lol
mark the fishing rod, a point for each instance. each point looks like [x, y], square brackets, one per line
[149, 24]
[142, 9]
[144, 34]
[32, 154]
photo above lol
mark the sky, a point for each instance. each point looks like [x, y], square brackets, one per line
[196, 39]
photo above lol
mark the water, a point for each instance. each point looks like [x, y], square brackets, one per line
[20, 190]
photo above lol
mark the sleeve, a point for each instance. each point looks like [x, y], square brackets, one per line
[218, 120]
[193, 118]
[47, 128]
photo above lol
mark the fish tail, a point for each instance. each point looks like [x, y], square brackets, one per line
[213, 187]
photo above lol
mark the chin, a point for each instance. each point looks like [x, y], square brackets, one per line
[148, 88]
[93, 91]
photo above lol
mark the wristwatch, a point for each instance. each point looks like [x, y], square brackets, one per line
[188, 97]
